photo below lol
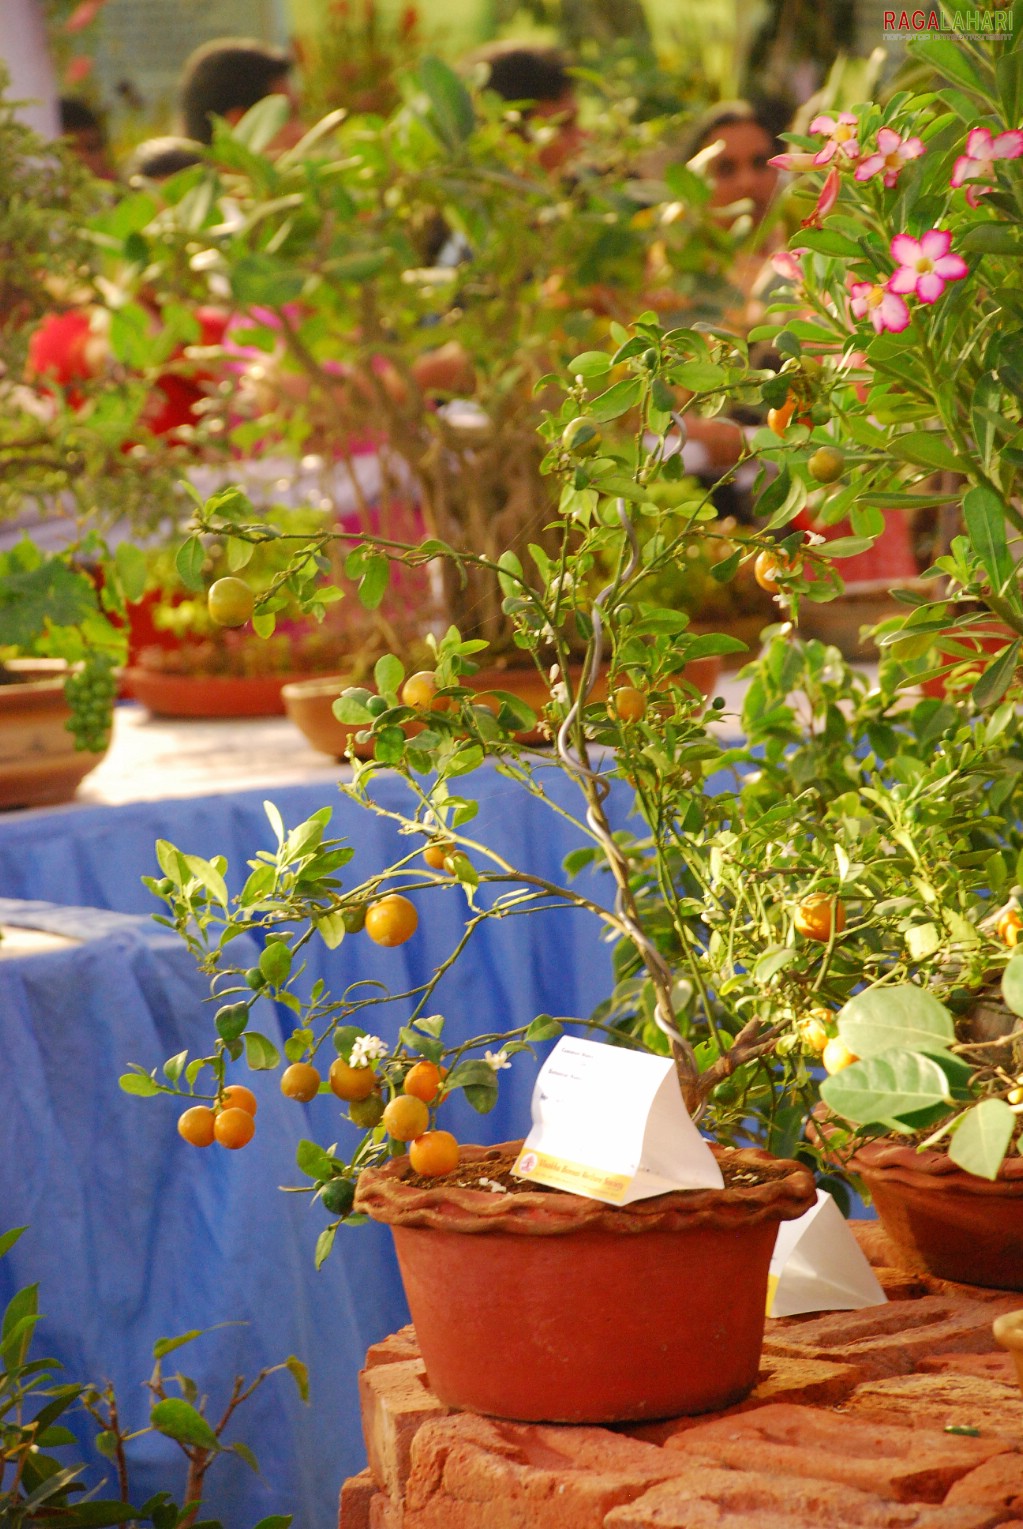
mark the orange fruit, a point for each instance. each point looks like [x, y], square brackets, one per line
[349, 1082]
[196, 1125]
[434, 1154]
[436, 853]
[627, 703]
[813, 1033]
[405, 1117]
[420, 691]
[837, 1055]
[816, 914]
[392, 920]
[237, 1096]
[423, 1081]
[768, 565]
[230, 602]
[300, 1081]
[234, 1128]
[1010, 925]
[778, 419]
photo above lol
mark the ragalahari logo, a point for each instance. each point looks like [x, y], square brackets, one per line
[967, 23]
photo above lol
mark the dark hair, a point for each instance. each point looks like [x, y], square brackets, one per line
[77, 117]
[157, 158]
[518, 72]
[225, 74]
[767, 114]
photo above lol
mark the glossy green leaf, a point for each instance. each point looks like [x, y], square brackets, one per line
[179, 1420]
[1012, 984]
[981, 1140]
[903, 1015]
[884, 1088]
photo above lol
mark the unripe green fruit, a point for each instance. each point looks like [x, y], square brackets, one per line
[582, 436]
[366, 1113]
[337, 1196]
[826, 465]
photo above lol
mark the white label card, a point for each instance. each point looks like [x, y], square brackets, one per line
[819, 1266]
[610, 1124]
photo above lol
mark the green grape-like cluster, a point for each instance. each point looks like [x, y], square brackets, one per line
[90, 693]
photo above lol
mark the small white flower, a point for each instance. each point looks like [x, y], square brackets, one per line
[367, 1049]
[562, 585]
[813, 539]
[554, 672]
[497, 1060]
[559, 693]
[492, 1184]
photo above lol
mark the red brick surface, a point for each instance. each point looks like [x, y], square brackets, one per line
[847, 1426]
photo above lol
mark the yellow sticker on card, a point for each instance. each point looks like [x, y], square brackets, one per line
[557, 1173]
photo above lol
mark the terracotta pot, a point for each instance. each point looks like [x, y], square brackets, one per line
[986, 638]
[550, 1307]
[943, 1221]
[309, 703]
[39, 764]
[207, 695]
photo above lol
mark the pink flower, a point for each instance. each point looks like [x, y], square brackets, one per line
[884, 309]
[979, 160]
[891, 154]
[793, 161]
[841, 132]
[78, 69]
[925, 264]
[788, 263]
[826, 200]
[83, 15]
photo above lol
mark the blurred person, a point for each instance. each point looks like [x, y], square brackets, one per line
[536, 78]
[86, 136]
[226, 77]
[735, 142]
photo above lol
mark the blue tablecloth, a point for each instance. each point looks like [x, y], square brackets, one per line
[134, 1235]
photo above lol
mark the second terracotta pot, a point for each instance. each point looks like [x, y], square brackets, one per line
[943, 1221]
[550, 1307]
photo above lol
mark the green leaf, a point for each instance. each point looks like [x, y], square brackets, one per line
[374, 581]
[544, 1028]
[139, 1083]
[330, 927]
[259, 280]
[50, 593]
[300, 1374]
[164, 1346]
[991, 238]
[929, 448]
[451, 108]
[179, 1420]
[772, 962]
[313, 1161]
[175, 1066]
[825, 241]
[699, 376]
[883, 1088]
[261, 1054]
[8, 1239]
[388, 672]
[1012, 984]
[209, 877]
[981, 1139]
[324, 1243]
[985, 515]
[231, 1020]
[246, 1454]
[903, 1015]
[275, 961]
[997, 676]
[591, 363]
[275, 1521]
[618, 400]
[130, 562]
[190, 560]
